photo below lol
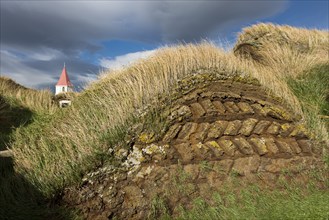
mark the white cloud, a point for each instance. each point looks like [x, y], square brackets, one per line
[15, 68]
[124, 60]
[46, 54]
[85, 80]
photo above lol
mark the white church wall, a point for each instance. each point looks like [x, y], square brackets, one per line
[60, 89]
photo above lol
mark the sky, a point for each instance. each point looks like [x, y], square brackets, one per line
[38, 37]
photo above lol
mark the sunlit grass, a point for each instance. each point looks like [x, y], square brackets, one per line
[253, 203]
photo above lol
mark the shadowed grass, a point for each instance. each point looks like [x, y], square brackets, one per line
[21, 107]
[12, 115]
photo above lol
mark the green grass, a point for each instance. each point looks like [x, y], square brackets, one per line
[286, 198]
[60, 150]
[21, 108]
[287, 202]
[312, 89]
[158, 209]
[21, 200]
[253, 203]
[12, 115]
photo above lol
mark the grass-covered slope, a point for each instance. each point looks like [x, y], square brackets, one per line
[17, 106]
[37, 101]
[11, 115]
[53, 152]
[20, 107]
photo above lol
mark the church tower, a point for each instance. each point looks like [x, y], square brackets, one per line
[64, 84]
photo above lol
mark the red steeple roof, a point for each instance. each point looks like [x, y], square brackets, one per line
[64, 79]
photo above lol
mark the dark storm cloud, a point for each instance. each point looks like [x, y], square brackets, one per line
[41, 34]
[27, 28]
[75, 25]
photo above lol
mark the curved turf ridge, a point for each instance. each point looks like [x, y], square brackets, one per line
[232, 126]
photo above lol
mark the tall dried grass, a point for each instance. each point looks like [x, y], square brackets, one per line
[286, 53]
[283, 47]
[35, 100]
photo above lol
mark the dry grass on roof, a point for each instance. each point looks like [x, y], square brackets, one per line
[283, 50]
[147, 78]
[122, 92]
[167, 65]
[291, 55]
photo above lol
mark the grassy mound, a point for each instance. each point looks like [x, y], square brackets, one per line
[284, 49]
[53, 152]
[19, 108]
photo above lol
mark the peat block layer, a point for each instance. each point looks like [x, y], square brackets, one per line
[216, 132]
